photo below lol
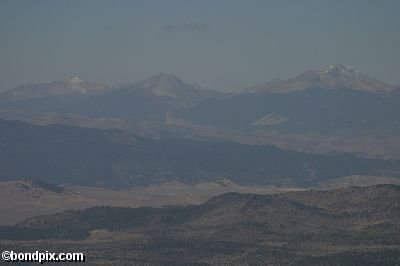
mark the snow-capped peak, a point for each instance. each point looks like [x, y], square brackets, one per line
[338, 69]
[76, 79]
[331, 77]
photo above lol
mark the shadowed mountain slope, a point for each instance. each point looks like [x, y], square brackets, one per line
[113, 157]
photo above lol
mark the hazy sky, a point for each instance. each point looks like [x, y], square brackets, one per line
[221, 44]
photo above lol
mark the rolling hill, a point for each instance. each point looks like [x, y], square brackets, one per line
[353, 225]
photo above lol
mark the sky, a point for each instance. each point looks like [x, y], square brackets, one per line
[219, 44]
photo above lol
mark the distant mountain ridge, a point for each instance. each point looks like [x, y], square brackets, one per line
[331, 77]
[337, 76]
[152, 99]
[326, 100]
[160, 85]
[73, 86]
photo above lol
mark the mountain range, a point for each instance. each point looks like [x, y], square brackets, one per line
[73, 144]
[325, 123]
[334, 98]
[167, 85]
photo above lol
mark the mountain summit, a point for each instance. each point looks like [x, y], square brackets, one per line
[168, 85]
[331, 77]
[76, 80]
